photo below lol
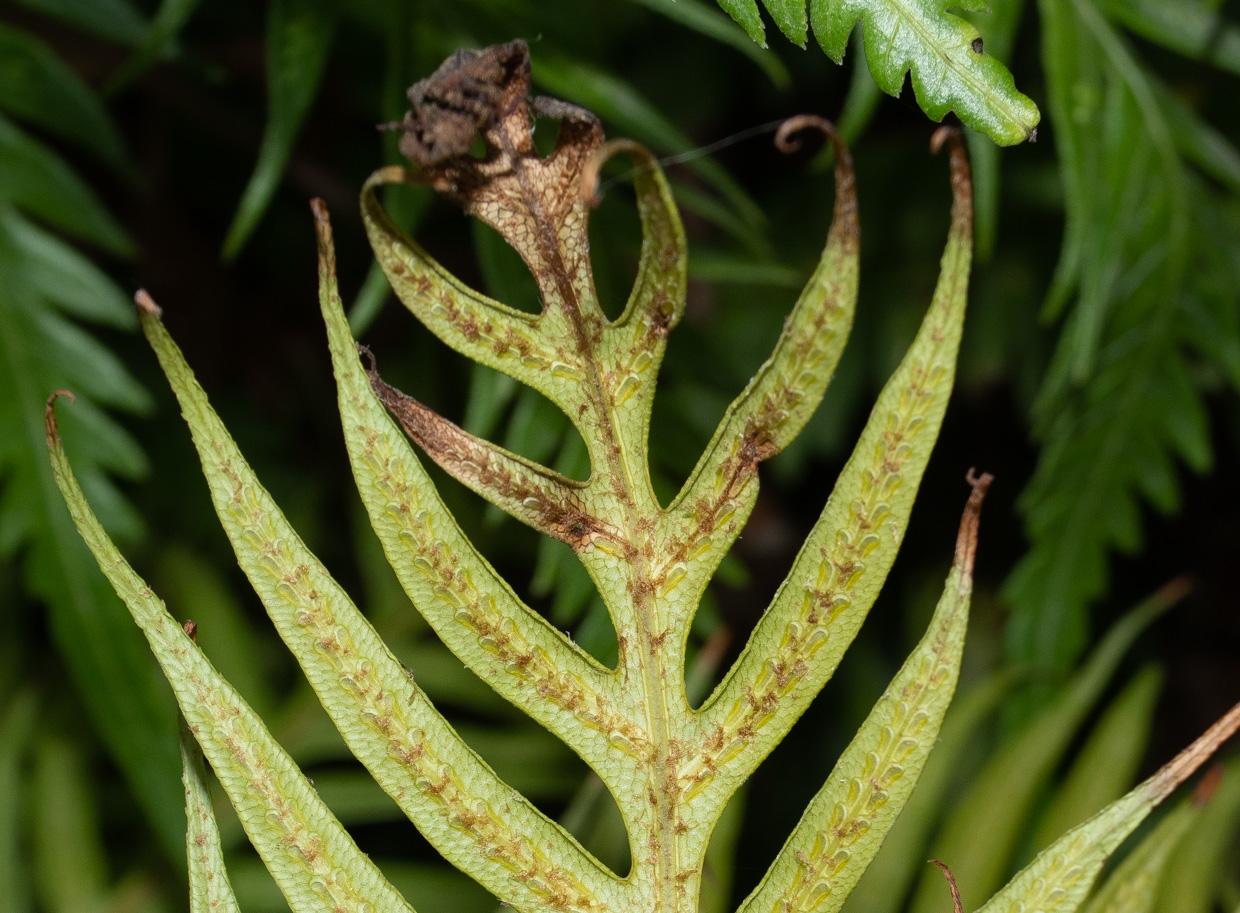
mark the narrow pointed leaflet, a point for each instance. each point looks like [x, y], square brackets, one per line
[209, 888]
[313, 859]
[712, 508]
[845, 824]
[469, 605]
[836, 577]
[1060, 878]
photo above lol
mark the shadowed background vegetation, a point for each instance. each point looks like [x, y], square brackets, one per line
[175, 146]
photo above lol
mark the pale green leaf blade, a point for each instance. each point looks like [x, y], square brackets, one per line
[634, 343]
[845, 823]
[950, 69]
[1107, 765]
[209, 888]
[885, 885]
[483, 330]
[1191, 882]
[1060, 878]
[386, 720]
[299, 36]
[414, 526]
[837, 575]
[1133, 886]
[773, 408]
[37, 87]
[994, 811]
[316, 863]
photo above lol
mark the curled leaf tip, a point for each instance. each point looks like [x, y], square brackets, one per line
[319, 208]
[147, 304]
[787, 140]
[966, 539]
[49, 415]
[191, 629]
[957, 905]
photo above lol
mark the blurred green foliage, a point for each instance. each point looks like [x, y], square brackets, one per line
[139, 141]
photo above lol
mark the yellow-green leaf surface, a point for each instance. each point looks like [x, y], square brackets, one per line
[777, 402]
[469, 605]
[945, 55]
[994, 810]
[1191, 883]
[1060, 878]
[478, 327]
[845, 823]
[885, 885]
[473, 818]
[1133, 886]
[821, 605]
[315, 862]
[670, 767]
[209, 888]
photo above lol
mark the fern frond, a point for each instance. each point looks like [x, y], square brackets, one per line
[313, 859]
[822, 603]
[474, 819]
[1119, 404]
[670, 767]
[49, 294]
[943, 52]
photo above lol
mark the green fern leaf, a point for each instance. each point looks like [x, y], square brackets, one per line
[670, 767]
[1119, 405]
[1060, 878]
[209, 888]
[46, 289]
[944, 54]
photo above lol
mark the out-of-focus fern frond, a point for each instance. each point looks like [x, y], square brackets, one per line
[46, 288]
[116, 20]
[1121, 402]
[299, 35]
[37, 87]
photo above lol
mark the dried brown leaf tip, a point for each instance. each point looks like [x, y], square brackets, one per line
[957, 906]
